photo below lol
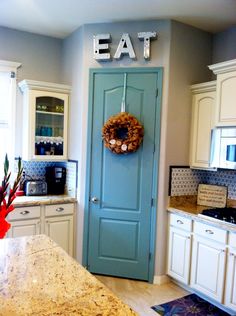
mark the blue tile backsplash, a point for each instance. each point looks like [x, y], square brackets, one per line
[36, 170]
[184, 181]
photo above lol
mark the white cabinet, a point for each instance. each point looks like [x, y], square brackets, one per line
[60, 229]
[208, 260]
[203, 117]
[45, 115]
[25, 221]
[207, 255]
[24, 228]
[59, 225]
[56, 221]
[179, 248]
[230, 286]
[226, 93]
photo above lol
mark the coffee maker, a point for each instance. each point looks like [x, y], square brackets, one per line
[56, 179]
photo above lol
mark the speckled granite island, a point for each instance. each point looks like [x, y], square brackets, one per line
[37, 278]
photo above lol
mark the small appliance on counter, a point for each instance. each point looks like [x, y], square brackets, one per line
[56, 179]
[35, 187]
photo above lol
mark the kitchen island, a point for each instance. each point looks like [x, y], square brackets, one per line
[39, 278]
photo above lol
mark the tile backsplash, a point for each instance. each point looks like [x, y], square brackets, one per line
[184, 181]
[36, 170]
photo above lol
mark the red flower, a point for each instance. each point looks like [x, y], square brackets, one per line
[6, 200]
[4, 226]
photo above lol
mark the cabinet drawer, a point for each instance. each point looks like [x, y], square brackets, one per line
[232, 240]
[180, 222]
[21, 213]
[210, 232]
[59, 209]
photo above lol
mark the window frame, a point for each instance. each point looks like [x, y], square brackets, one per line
[12, 67]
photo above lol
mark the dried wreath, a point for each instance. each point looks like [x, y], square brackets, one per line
[122, 133]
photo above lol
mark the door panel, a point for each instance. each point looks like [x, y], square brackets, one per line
[24, 228]
[60, 229]
[179, 254]
[120, 194]
[120, 220]
[208, 267]
[118, 231]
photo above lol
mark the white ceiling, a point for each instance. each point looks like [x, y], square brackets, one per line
[59, 18]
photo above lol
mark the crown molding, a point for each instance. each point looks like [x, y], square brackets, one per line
[9, 66]
[203, 87]
[43, 86]
[223, 67]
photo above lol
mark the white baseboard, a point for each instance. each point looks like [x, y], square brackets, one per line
[161, 279]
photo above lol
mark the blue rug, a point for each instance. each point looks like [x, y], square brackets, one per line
[190, 305]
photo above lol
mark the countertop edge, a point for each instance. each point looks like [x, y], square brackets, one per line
[42, 200]
[210, 221]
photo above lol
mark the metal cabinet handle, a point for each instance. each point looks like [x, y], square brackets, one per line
[24, 212]
[59, 209]
[179, 222]
[208, 231]
[231, 254]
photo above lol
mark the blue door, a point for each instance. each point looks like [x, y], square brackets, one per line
[121, 188]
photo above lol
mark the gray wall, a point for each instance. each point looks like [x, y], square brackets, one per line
[41, 59]
[40, 55]
[184, 53]
[224, 45]
[190, 52]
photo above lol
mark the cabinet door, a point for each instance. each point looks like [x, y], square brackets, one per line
[45, 115]
[225, 100]
[49, 125]
[179, 255]
[60, 229]
[203, 115]
[230, 288]
[208, 267]
[24, 228]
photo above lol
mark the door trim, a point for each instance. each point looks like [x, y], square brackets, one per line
[92, 72]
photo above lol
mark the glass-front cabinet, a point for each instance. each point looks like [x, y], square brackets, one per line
[45, 118]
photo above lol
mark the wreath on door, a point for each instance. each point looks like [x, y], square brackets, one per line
[122, 133]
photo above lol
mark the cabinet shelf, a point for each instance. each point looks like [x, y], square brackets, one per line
[49, 139]
[49, 113]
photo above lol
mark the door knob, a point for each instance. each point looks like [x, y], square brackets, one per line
[94, 199]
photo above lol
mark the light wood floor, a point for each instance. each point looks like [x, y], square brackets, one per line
[142, 295]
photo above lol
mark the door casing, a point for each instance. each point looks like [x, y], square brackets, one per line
[92, 73]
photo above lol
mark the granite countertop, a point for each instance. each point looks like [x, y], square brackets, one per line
[186, 205]
[39, 278]
[43, 199]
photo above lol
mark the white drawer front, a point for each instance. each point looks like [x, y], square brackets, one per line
[210, 232]
[59, 209]
[180, 222]
[232, 240]
[21, 213]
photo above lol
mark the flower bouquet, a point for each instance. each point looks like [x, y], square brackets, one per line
[7, 195]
